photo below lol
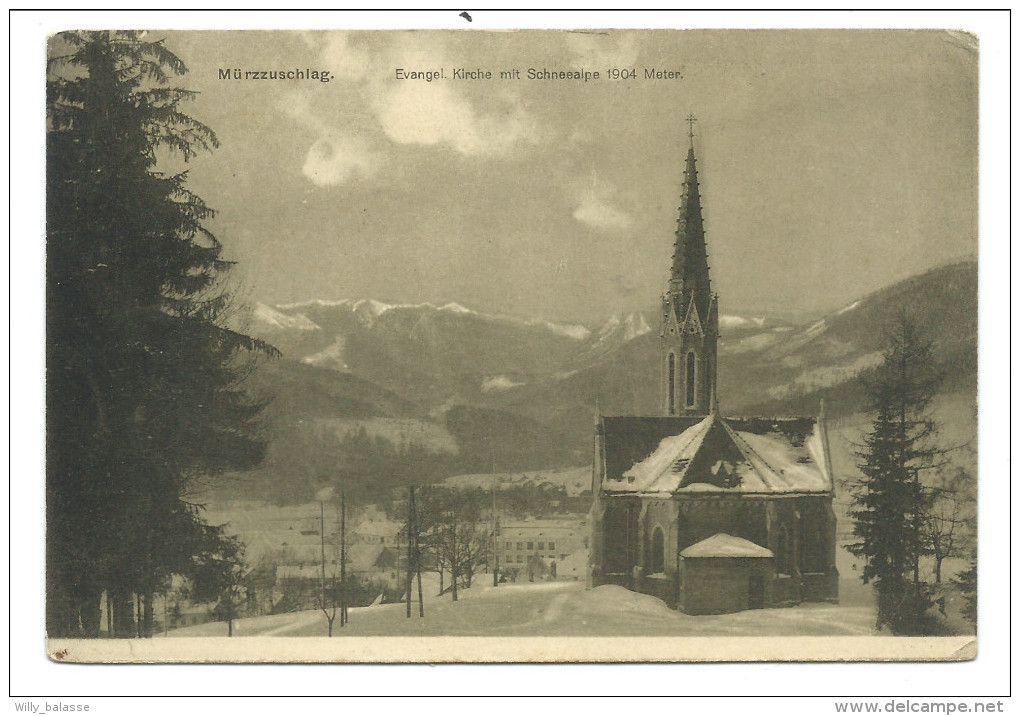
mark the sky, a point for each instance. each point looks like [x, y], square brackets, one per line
[832, 163]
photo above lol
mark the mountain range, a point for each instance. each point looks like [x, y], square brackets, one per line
[384, 394]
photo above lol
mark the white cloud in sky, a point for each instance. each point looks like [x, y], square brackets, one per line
[335, 160]
[602, 216]
[432, 113]
[335, 157]
[378, 108]
[596, 205]
[350, 62]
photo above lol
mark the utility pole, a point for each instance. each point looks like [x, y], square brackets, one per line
[495, 544]
[322, 545]
[417, 558]
[343, 559]
[410, 543]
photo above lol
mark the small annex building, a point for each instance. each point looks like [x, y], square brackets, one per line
[712, 514]
[725, 574]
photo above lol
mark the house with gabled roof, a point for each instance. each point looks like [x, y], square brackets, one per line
[712, 514]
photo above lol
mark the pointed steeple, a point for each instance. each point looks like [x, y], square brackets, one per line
[689, 276]
[690, 313]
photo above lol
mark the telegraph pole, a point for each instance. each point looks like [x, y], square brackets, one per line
[417, 558]
[343, 559]
[495, 544]
[410, 544]
[322, 544]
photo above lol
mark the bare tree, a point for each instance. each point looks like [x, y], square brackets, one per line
[452, 534]
[328, 598]
[948, 523]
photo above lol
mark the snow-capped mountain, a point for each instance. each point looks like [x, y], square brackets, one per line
[622, 328]
[369, 309]
[530, 387]
[427, 352]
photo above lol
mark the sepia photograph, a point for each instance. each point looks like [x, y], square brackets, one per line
[513, 346]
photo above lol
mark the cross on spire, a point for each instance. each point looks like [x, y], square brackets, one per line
[691, 119]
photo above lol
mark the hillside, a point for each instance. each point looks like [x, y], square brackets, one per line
[376, 395]
[780, 370]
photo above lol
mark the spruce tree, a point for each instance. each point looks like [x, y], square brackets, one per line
[890, 504]
[144, 373]
[966, 582]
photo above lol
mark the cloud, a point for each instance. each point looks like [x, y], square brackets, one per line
[335, 160]
[349, 62]
[357, 124]
[433, 114]
[437, 113]
[335, 157]
[596, 205]
[602, 216]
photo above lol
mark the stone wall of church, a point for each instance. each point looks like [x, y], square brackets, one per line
[619, 542]
[639, 541]
[801, 536]
[701, 518]
[725, 585]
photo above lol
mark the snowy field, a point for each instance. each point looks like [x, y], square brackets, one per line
[553, 609]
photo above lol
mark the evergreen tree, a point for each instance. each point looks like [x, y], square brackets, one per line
[966, 582]
[144, 373]
[890, 505]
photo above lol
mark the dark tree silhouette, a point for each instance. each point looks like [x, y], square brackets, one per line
[221, 576]
[966, 582]
[144, 373]
[891, 505]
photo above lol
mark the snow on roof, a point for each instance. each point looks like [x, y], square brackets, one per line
[732, 455]
[724, 545]
[663, 470]
[784, 468]
[541, 528]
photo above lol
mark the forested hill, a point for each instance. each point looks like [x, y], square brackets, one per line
[376, 395]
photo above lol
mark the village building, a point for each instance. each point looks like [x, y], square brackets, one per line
[540, 547]
[712, 514]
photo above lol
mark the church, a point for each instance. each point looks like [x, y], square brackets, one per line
[711, 514]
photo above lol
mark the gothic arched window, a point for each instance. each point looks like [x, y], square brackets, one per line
[657, 553]
[690, 379]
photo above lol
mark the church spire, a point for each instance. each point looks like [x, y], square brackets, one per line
[689, 276]
[690, 313]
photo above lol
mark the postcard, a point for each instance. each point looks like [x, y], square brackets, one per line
[511, 346]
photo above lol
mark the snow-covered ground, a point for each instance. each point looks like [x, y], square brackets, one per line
[554, 609]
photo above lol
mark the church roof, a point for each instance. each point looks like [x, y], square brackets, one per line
[709, 454]
[724, 545]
